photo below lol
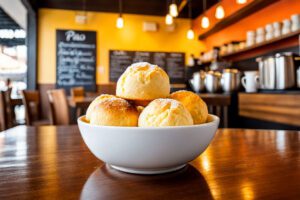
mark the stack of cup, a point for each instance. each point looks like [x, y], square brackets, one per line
[250, 38]
[295, 22]
[286, 27]
[269, 32]
[277, 29]
[260, 35]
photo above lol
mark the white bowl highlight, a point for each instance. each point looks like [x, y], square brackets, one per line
[148, 150]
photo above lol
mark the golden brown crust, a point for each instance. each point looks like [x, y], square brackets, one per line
[95, 102]
[114, 112]
[117, 104]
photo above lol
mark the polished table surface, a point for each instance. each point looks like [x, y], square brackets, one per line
[54, 163]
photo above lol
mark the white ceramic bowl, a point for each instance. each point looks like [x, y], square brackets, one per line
[148, 150]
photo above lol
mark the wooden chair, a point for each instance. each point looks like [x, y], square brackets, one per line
[3, 115]
[9, 109]
[32, 104]
[59, 108]
[77, 92]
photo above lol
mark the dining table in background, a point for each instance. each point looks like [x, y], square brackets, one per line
[52, 162]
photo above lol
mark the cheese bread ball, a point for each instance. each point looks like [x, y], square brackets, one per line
[195, 105]
[143, 81]
[165, 112]
[114, 112]
[95, 102]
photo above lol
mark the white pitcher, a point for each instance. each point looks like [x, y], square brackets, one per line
[250, 81]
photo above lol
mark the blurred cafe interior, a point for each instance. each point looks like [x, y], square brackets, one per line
[237, 61]
[240, 57]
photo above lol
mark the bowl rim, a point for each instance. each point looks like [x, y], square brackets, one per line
[215, 119]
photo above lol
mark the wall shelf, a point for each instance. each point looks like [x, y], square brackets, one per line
[249, 9]
[285, 41]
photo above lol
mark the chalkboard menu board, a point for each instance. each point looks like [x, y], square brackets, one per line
[76, 59]
[172, 62]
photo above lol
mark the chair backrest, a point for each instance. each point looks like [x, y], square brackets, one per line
[31, 101]
[3, 115]
[77, 92]
[59, 107]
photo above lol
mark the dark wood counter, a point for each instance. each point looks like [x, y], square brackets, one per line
[54, 163]
[274, 107]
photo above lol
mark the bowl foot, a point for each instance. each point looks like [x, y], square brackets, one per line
[147, 171]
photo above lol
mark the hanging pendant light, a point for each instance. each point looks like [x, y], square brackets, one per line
[173, 10]
[190, 33]
[241, 1]
[120, 21]
[220, 13]
[169, 19]
[205, 20]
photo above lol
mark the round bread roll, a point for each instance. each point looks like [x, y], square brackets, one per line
[114, 112]
[95, 102]
[143, 81]
[195, 105]
[165, 112]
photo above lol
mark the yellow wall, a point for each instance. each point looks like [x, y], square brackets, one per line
[131, 37]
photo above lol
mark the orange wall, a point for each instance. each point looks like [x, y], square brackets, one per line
[131, 37]
[275, 12]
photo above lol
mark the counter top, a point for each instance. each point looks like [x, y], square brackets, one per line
[53, 162]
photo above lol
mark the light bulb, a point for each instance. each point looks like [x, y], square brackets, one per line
[205, 22]
[190, 34]
[220, 13]
[169, 19]
[173, 10]
[241, 1]
[120, 22]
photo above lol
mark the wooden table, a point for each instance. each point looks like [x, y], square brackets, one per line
[54, 163]
[80, 102]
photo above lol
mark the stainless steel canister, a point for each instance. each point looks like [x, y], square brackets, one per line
[197, 82]
[212, 81]
[231, 80]
[267, 67]
[285, 70]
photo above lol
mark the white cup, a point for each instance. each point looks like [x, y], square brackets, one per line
[250, 81]
[260, 31]
[295, 22]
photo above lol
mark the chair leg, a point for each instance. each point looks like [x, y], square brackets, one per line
[225, 116]
[78, 112]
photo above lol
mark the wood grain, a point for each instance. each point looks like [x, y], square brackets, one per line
[280, 108]
[54, 163]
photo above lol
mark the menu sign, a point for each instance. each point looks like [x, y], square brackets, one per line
[173, 63]
[76, 59]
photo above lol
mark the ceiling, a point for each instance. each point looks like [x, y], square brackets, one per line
[144, 7]
[6, 22]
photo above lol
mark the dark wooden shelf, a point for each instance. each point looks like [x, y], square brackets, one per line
[285, 41]
[249, 9]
